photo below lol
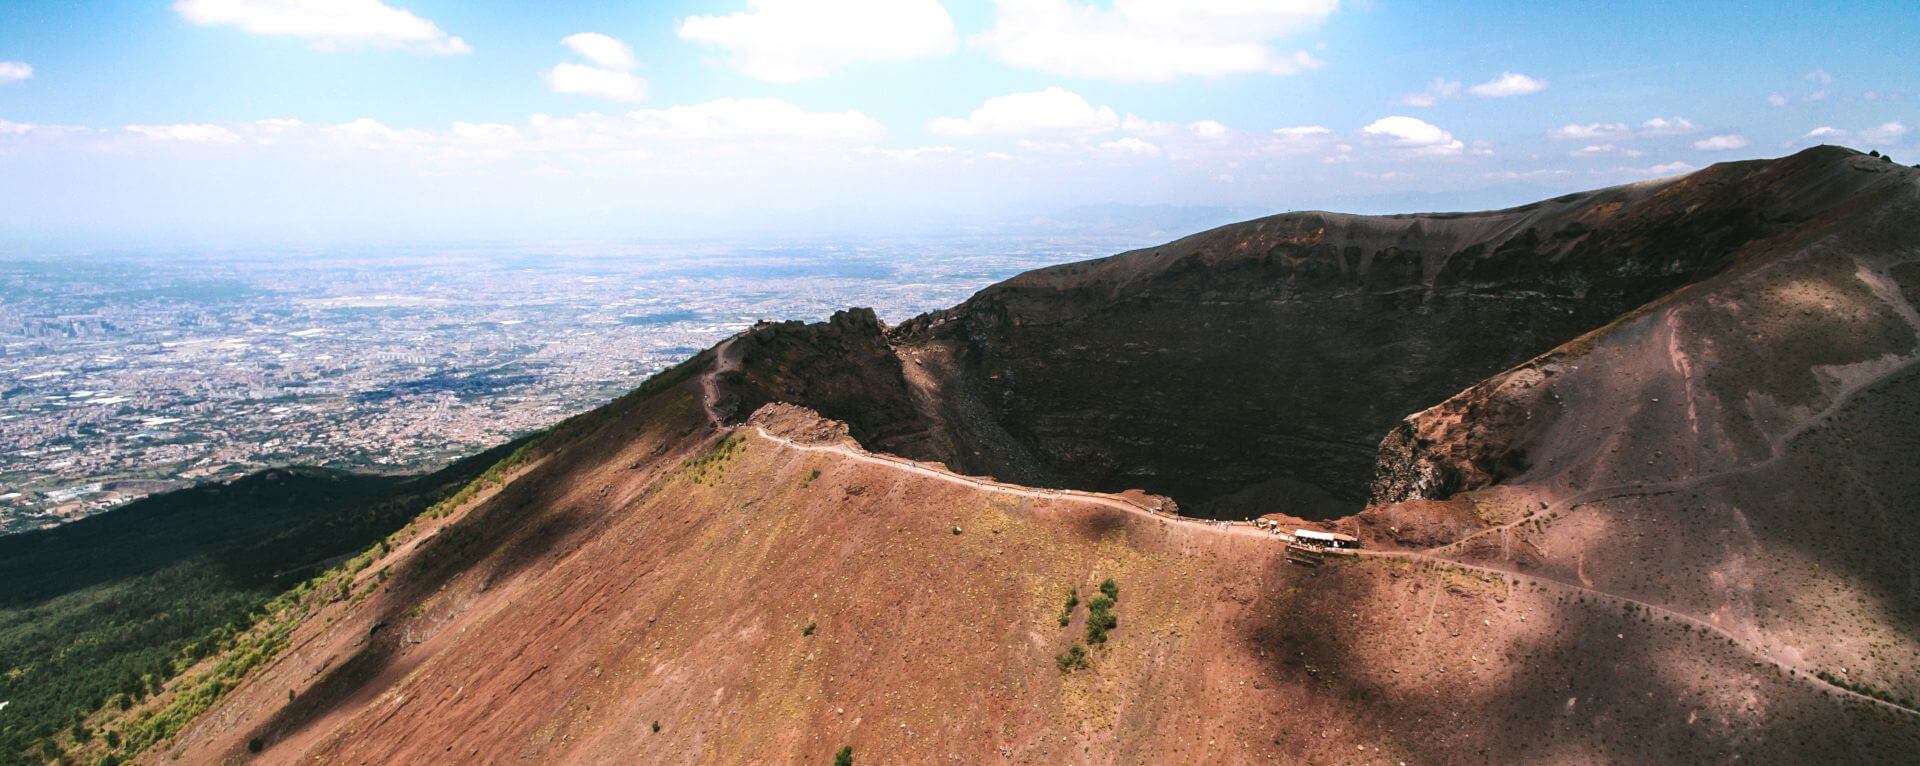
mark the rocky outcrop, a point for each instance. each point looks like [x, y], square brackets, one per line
[843, 368]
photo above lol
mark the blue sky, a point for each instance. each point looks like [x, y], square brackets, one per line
[430, 120]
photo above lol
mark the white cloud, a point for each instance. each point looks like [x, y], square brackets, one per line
[792, 40]
[326, 24]
[1660, 126]
[1303, 131]
[1153, 40]
[1819, 77]
[1441, 88]
[1776, 99]
[1144, 127]
[14, 71]
[580, 79]
[1591, 131]
[1721, 143]
[487, 132]
[1885, 133]
[1305, 140]
[1668, 169]
[1207, 129]
[1130, 145]
[909, 155]
[748, 118]
[1611, 131]
[602, 50]
[1595, 150]
[369, 132]
[1053, 110]
[185, 133]
[1508, 84]
[1418, 136]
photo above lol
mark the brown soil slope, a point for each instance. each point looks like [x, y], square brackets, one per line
[1743, 449]
[1645, 546]
[592, 599]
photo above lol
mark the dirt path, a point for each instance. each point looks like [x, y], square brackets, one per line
[727, 359]
[988, 485]
[1751, 647]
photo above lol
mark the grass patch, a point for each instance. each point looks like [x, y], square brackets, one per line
[1066, 612]
[709, 469]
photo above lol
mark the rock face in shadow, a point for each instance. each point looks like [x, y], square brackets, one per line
[1256, 368]
[843, 368]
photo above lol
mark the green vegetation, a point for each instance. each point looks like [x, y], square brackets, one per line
[1075, 658]
[807, 631]
[100, 613]
[711, 468]
[1066, 612]
[811, 475]
[1100, 618]
[844, 757]
[656, 727]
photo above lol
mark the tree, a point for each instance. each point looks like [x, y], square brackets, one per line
[844, 757]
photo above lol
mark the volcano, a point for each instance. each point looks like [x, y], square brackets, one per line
[1632, 468]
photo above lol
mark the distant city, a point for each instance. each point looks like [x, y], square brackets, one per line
[121, 376]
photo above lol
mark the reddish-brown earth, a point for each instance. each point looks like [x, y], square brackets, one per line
[1694, 492]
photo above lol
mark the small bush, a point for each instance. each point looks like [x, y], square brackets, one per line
[1111, 588]
[1074, 659]
[807, 631]
[844, 757]
[656, 727]
[1073, 600]
[255, 745]
[1100, 619]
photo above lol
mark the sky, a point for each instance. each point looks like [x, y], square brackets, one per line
[174, 122]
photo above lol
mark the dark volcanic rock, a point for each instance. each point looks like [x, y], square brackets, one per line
[1257, 367]
[842, 368]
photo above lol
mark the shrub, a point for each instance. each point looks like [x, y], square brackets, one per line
[807, 631]
[1111, 588]
[255, 745]
[1100, 619]
[1075, 658]
[656, 727]
[844, 757]
[1073, 600]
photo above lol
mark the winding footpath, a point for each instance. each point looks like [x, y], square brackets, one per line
[727, 359]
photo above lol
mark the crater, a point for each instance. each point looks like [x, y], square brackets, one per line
[1255, 368]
